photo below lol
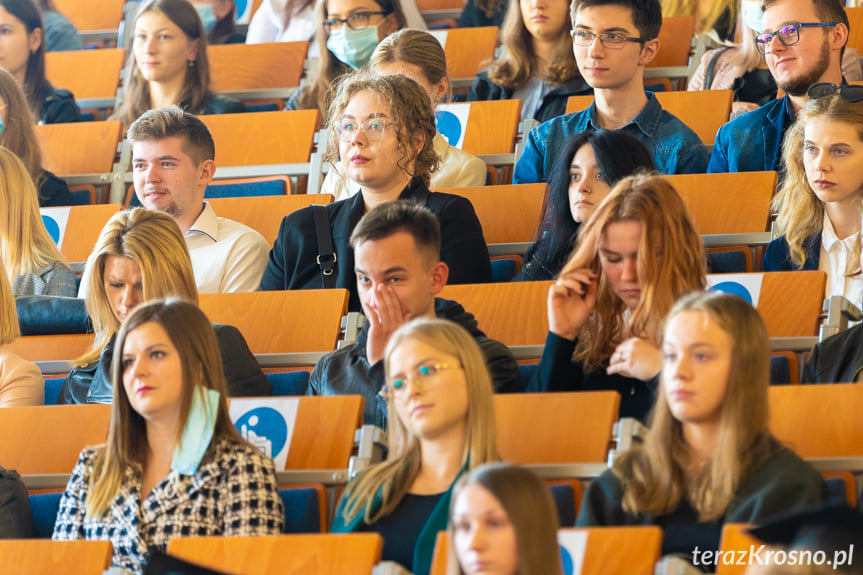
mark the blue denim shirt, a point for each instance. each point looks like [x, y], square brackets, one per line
[752, 142]
[676, 148]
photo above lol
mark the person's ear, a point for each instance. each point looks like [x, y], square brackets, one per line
[34, 40]
[389, 25]
[418, 141]
[838, 36]
[440, 91]
[192, 54]
[649, 51]
[206, 171]
[439, 276]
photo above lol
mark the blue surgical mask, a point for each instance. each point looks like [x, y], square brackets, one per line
[208, 18]
[353, 47]
[198, 431]
[752, 15]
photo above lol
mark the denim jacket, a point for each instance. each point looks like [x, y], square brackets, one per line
[676, 148]
[752, 142]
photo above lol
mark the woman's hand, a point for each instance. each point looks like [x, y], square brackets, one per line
[636, 358]
[570, 301]
[743, 107]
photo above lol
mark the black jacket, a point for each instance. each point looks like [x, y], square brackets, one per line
[16, 519]
[219, 104]
[553, 105]
[837, 359]
[471, 16]
[92, 383]
[53, 191]
[557, 372]
[59, 108]
[347, 371]
[293, 262]
[781, 483]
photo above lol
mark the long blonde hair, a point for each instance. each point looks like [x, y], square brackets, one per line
[153, 241]
[9, 327]
[667, 229]
[518, 64]
[192, 334]
[393, 477]
[800, 212]
[528, 504]
[19, 135]
[26, 246]
[136, 90]
[655, 475]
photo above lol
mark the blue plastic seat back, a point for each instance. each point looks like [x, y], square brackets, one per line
[289, 383]
[302, 510]
[44, 507]
[564, 500]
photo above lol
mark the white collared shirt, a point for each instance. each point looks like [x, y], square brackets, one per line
[835, 254]
[227, 256]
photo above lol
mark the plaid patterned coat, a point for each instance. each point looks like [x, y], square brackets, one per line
[234, 492]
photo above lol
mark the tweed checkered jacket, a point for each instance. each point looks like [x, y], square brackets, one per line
[234, 492]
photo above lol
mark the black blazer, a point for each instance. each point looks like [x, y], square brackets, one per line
[777, 256]
[553, 104]
[837, 359]
[293, 259]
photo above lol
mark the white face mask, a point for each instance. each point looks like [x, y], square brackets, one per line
[751, 15]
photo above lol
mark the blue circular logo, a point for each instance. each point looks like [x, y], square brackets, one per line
[262, 426]
[449, 126]
[242, 6]
[53, 228]
[734, 288]
[566, 559]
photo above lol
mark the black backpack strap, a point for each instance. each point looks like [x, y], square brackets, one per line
[326, 254]
[711, 68]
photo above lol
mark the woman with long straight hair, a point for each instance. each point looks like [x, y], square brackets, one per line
[709, 457]
[168, 64]
[441, 424]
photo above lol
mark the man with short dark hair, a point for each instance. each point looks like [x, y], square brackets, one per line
[613, 40]
[399, 273]
[803, 42]
[173, 161]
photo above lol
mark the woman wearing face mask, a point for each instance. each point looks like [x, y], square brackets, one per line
[173, 464]
[383, 131]
[820, 202]
[441, 414]
[217, 16]
[18, 134]
[708, 457]
[590, 165]
[348, 32]
[503, 521]
[168, 64]
[419, 56]
[537, 65]
[141, 255]
[636, 255]
[22, 54]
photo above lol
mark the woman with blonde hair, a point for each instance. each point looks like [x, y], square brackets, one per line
[441, 424]
[820, 202]
[33, 264]
[139, 256]
[174, 464]
[383, 131]
[709, 456]
[503, 521]
[636, 255]
[419, 56]
[537, 65]
[19, 135]
[21, 382]
[168, 64]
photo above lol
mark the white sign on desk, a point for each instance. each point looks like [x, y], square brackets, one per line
[268, 424]
[56, 220]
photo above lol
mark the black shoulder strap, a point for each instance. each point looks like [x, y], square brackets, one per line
[326, 255]
[711, 68]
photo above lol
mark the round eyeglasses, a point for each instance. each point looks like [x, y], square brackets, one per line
[373, 129]
[423, 375]
[354, 21]
[612, 40]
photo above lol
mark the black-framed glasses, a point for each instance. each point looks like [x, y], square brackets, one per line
[846, 92]
[789, 34]
[354, 21]
[373, 129]
[612, 40]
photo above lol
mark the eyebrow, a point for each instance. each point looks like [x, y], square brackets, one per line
[616, 29]
[386, 271]
[160, 159]
[372, 115]
[831, 144]
[146, 349]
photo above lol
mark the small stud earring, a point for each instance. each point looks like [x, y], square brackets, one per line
[191, 63]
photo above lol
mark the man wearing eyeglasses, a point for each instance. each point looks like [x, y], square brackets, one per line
[613, 40]
[803, 42]
[399, 274]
